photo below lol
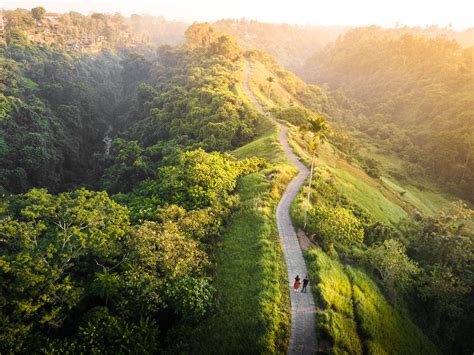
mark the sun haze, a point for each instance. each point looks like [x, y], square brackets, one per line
[336, 12]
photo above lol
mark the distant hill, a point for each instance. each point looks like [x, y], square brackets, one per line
[416, 93]
[291, 45]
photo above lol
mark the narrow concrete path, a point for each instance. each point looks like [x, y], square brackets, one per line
[303, 310]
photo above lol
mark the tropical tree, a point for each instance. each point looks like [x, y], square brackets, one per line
[38, 13]
[270, 80]
[394, 267]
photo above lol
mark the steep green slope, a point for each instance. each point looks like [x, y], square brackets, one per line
[354, 317]
[333, 161]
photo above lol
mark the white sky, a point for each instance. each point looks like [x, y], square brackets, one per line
[459, 13]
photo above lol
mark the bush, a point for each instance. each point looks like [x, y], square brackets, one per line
[335, 224]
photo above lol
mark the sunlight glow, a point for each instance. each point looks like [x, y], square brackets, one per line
[457, 13]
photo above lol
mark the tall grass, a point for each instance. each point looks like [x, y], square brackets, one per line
[265, 147]
[381, 325]
[335, 319]
[353, 315]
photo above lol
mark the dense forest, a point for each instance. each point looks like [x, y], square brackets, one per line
[413, 94]
[86, 270]
[138, 185]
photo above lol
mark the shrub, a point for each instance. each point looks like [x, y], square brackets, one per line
[335, 224]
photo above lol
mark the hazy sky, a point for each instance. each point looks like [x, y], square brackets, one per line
[459, 13]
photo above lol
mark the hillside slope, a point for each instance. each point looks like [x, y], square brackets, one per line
[364, 203]
[413, 96]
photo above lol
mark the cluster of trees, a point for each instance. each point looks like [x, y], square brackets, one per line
[55, 108]
[413, 94]
[79, 271]
[187, 102]
[65, 103]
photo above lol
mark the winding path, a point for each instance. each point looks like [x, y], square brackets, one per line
[303, 310]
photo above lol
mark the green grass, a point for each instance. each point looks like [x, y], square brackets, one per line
[368, 196]
[422, 194]
[427, 202]
[353, 315]
[381, 325]
[253, 309]
[333, 296]
[265, 147]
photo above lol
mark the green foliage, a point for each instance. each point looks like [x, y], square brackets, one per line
[253, 307]
[265, 147]
[295, 115]
[198, 181]
[101, 332]
[392, 264]
[46, 242]
[334, 296]
[192, 298]
[381, 325]
[335, 224]
[443, 247]
[195, 105]
[129, 166]
[53, 115]
[213, 42]
[38, 13]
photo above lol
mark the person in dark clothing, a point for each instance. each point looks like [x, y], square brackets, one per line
[305, 283]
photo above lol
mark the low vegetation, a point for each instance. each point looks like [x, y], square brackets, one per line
[353, 315]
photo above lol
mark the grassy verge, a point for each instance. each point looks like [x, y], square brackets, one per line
[253, 309]
[335, 314]
[265, 147]
[353, 315]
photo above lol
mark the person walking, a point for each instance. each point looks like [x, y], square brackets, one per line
[305, 284]
[297, 284]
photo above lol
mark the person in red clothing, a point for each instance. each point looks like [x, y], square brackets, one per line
[297, 284]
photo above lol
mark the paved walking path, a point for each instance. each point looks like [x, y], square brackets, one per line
[303, 310]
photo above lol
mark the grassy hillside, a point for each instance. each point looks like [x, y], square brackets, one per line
[383, 198]
[353, 315]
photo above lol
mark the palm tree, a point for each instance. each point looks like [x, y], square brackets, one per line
[318, 126]
[270, 80]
